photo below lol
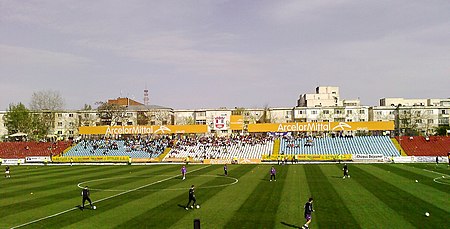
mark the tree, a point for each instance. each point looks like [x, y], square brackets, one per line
[46, 100]
[18, 119]
[110, 114]
[442, 130]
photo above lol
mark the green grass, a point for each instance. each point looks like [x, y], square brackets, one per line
[376, 196]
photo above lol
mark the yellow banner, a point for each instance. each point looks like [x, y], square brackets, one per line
[169, 129]
[92, 159]
[309, 157]
[236, 122]
[320, 126]
[144, 160]
[230, 161]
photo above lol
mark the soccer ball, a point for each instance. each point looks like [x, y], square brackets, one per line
[198, 206]
[427, 214]
[94, 207]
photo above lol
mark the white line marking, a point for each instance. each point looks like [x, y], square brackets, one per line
[440, 182]
[235, 181]
[435, 172]
[106, 198]
[444, 176]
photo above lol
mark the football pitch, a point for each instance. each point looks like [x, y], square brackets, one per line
[154, 196]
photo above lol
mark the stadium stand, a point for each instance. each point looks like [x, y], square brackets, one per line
[339, 145]
[244, 147]
[135, 148]
[27, 149]
[425, 146]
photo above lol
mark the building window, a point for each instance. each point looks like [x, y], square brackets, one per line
[86, 115]
[71, 124]
[313, 112]
[70, 115]
[200, 122]
[59, 132]
[338, 112]
[300, 112]
[59, 115]
[60, 123]
[379, 113]
[71, 132]
[430, 121]
[326, 112]
[419, 121]
[129, 123]
[349, 112]
[362, 111]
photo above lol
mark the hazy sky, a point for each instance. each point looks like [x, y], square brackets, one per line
[218, 53]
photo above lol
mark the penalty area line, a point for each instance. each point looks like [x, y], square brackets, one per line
[435, 172]
[103, 199]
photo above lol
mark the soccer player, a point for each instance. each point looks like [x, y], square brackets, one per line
[225, 170]
[183, 172]
[345, 171]
[308, 211]
[85, 194]
[273, 172]
[7, 172]
[191, 198]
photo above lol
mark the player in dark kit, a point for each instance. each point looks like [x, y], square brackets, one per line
[191, 198]
[273, 173]
[345, 172]
[308, 211]
[7, 172]
[86, 193]
[225, 170]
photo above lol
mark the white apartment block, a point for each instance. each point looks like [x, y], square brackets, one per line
[411, 116]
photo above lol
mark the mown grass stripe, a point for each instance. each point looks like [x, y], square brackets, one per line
[368, 210]
[23, 177]
[34, 184]
[440, 168]
[261, 206]
[219, 209]
[295, 193]
[158, 217]
[409, 206]
[74, 217]
[67, 187]
[412, 176]
[330, 208]
[112, 183]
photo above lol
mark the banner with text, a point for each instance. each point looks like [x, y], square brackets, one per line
[169, 129]
[91, 159]
[236, 122]
[320, 126]
[37, 159]
[368, 157]
[309, 157]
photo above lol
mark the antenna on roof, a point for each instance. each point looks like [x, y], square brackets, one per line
[146, 98]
